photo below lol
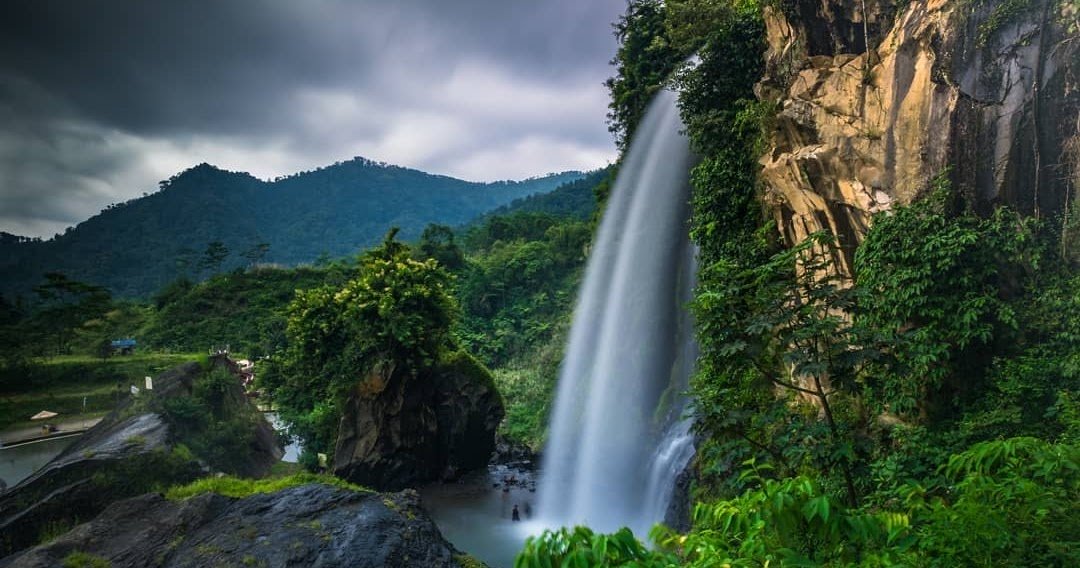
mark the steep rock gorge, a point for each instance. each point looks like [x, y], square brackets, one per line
[990, 90]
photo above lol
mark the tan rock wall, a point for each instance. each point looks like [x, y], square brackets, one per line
[860, 130]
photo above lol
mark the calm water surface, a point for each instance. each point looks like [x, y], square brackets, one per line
[17, 463]
[474, 514]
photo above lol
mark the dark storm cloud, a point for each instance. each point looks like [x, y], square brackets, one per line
[98, 100]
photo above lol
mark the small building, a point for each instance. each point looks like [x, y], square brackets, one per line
[123, 346]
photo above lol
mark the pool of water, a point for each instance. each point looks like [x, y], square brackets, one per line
[475, 513]
[18, 462]
[292, 451]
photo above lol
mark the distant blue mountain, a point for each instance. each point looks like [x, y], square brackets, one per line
[136, 247]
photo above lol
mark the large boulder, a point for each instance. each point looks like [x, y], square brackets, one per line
[308, 525]
[400, 428]
[134, 450]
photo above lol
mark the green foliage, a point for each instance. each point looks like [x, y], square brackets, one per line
[437, 243]
[1011, 502]
[137, 247]
[1002, 14]
[79, 559]
[643, 63]
[467, 561]
[399, 309]
[528, 392]
[65, 305]
[937, 284]
[397, 313]
[216, 252]
[778, 338]
[724, 120]
[239, 488]
[519, 283]
[60, 384]
[923, 414]
[576, 199]
[582, 547]
[788, 522]
[243, 309]
[216, 421]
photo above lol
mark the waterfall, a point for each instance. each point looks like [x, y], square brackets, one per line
[618, 437]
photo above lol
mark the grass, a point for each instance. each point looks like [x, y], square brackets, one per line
[79, 559]
[527, 394]
[236, 487]
[59, 384]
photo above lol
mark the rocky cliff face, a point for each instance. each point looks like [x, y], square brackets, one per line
[309, 525]
[877, 97]
[400, 429]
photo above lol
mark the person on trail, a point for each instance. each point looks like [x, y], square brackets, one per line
[515, 515]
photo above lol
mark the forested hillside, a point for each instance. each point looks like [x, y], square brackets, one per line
[514, 275]
[205, 220]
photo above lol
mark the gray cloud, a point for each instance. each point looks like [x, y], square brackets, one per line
[99, 100]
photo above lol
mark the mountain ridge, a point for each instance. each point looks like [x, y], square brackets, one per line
[135, 247]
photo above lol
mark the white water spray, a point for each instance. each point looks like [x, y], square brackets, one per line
[618, 439]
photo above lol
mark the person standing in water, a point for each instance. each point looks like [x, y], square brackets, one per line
[514, 515]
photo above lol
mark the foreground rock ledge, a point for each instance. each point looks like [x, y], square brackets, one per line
[309, 525]
[129, 452]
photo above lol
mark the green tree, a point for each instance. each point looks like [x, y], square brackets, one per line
[643, 63]
[216, 252]
[67, 304]
[780, 338]
[938, 282]
[255, 253]
[396, 314]
[437, 242]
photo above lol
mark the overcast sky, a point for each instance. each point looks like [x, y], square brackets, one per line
[99, 100]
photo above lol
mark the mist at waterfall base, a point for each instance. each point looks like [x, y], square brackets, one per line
[617, 436]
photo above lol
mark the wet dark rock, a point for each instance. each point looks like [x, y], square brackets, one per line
[513, 476]
[401, 429]
[678, 514]
[511, 453]
[310, 525]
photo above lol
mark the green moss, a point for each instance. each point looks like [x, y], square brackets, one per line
[238, 488]
[54, 529]
[83, 560]
[463, 363]
[467, 561]
[1003, 14]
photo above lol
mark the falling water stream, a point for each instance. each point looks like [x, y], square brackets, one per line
[617, 437]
